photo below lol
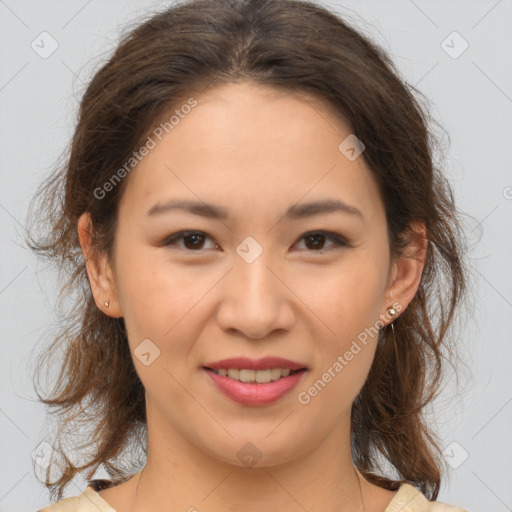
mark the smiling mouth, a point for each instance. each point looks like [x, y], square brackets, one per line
[255, 376]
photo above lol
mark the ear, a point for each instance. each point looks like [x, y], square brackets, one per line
[99, 271]
[406, 271]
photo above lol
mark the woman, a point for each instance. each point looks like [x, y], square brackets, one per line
[251, 215]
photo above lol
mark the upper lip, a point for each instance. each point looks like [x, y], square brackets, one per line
[255, 364]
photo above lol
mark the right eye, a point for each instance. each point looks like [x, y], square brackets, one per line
[192, 240]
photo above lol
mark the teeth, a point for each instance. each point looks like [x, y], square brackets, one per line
[233, 374]
[259, 376]
[275, 373]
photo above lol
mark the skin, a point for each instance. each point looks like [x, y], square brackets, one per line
[254, 151]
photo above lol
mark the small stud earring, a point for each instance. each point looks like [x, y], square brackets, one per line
[392, 311]
[107, 303]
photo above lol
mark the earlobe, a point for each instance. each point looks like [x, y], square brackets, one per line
[99, 272]
[407, 270]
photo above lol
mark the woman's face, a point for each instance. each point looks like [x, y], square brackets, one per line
[277, 271]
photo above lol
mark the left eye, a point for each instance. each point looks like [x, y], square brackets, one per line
[316, 240]
[195, 240]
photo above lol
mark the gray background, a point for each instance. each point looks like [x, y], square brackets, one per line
[472, 98]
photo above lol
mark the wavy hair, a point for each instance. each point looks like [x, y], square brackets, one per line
[297, 46]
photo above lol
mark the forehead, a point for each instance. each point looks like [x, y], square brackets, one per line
[254, 147]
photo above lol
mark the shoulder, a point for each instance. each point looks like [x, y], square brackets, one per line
[88, 501]
[409, 499]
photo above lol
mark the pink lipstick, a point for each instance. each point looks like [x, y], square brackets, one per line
[255, 382]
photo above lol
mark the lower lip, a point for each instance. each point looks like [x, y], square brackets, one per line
[252, 393]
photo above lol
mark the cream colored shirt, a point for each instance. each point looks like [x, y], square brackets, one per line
[407, 499]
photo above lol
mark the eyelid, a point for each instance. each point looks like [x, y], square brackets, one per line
[184, 233]
[338, 240]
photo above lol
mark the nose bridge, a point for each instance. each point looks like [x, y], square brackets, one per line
[257, 284]
[255, 301]
[255, 280]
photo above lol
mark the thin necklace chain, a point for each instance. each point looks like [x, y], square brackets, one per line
[137, 489]
[360, 490]
[357, 476]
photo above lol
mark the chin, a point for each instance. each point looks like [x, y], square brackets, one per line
[258, 451]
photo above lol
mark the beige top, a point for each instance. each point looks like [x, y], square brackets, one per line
[407, 499]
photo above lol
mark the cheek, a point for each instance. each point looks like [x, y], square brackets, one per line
[346, 350]
[154, 295]
[349, 305]
[160, 304]
[349, 298]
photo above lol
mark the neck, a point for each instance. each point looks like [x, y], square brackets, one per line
[180, 476]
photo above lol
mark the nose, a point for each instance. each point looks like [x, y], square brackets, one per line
[255, 300]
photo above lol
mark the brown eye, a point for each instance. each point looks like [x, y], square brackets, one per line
[195, 241]
[315, 241]
[191, 240]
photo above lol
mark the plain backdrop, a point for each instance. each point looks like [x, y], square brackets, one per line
[458, 53]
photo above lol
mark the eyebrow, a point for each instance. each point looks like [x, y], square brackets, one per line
[295, 211]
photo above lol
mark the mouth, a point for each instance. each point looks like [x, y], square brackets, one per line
[255, 382]
[255, 376]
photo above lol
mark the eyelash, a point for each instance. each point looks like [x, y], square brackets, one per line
[338, 241]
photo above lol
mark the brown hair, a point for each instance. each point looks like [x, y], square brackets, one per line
[301, 47]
